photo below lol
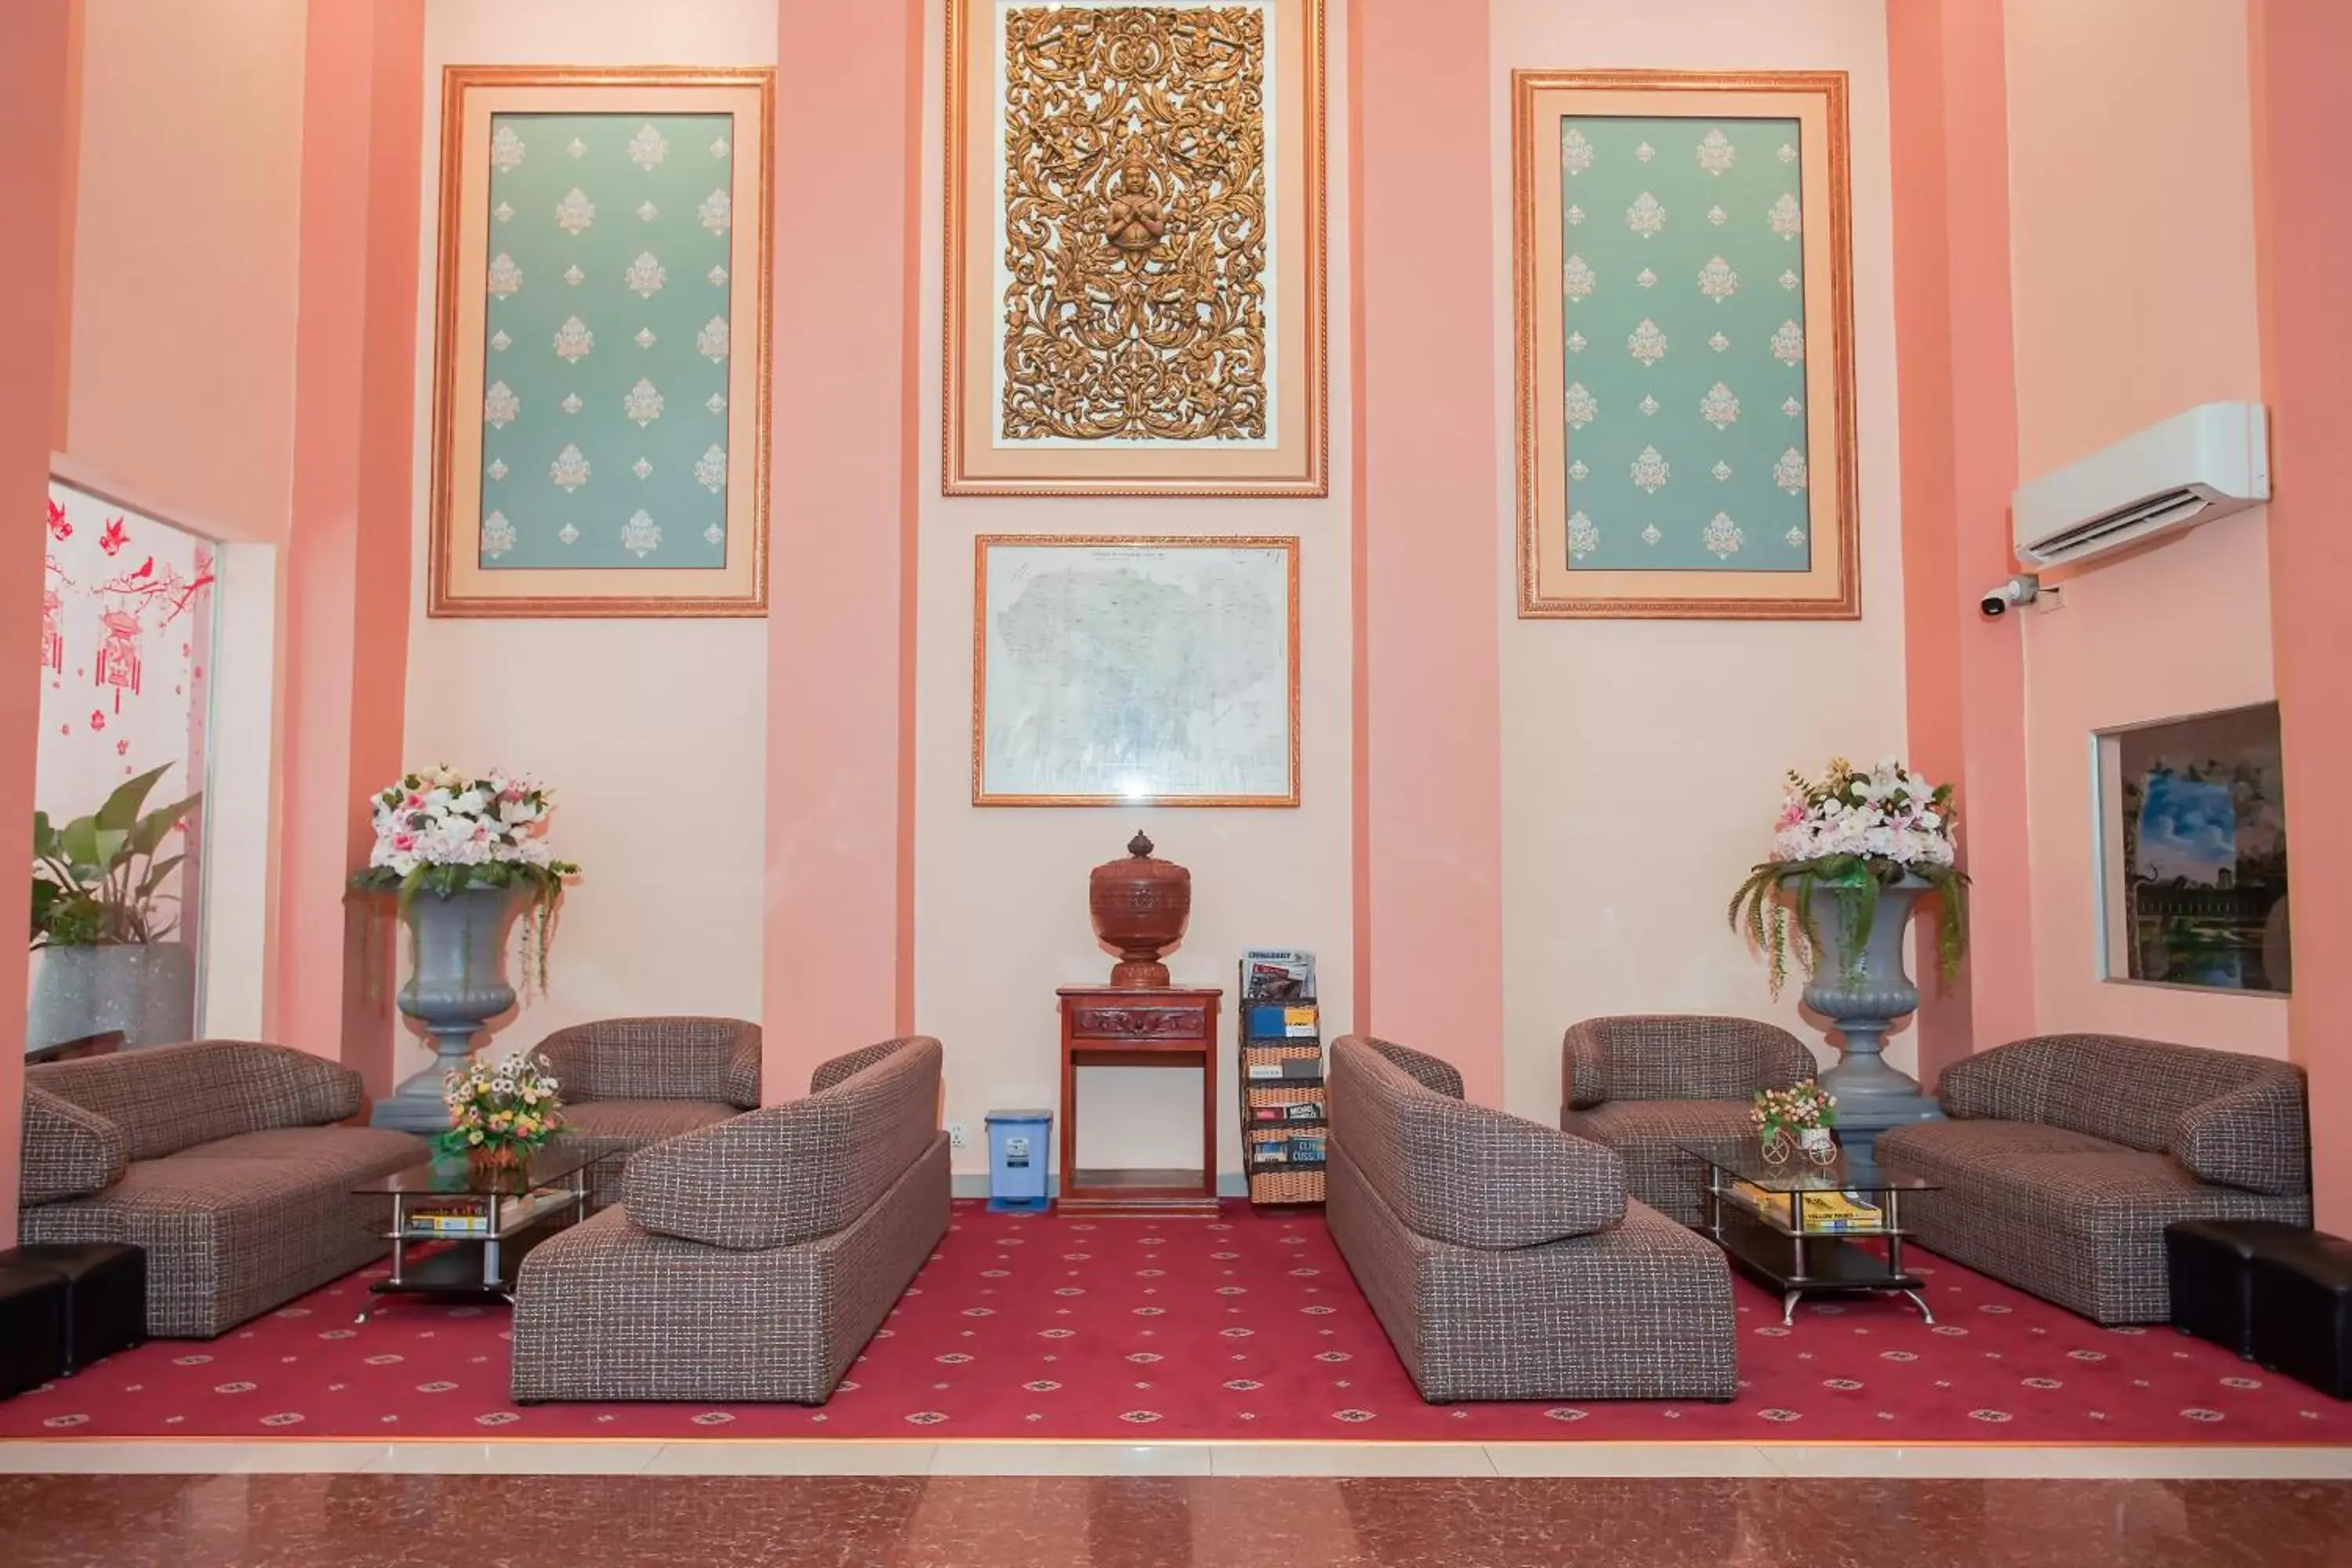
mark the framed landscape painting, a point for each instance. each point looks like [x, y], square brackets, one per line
[1685, 346]
[600, 443]
[1135, 671]
[1135, 248]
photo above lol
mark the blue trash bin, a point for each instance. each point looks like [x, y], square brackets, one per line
[1017, 1146]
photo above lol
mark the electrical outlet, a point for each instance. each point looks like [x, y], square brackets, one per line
[957, 1137]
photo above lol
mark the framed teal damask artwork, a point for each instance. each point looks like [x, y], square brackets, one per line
[601, 354]
[1685, 359]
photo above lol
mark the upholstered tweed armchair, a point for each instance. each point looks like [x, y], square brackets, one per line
[1644, 1085]
[2066, 1155]
[628, 1083]
[752, 1260]
[1503, 1257]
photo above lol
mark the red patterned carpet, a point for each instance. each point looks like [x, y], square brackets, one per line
[1248, 1329]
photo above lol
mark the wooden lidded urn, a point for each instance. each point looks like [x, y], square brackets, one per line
[1139, 907]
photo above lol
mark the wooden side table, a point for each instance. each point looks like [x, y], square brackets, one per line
[1163, 1027]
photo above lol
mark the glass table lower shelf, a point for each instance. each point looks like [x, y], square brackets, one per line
[462, 1233]
[1808, 1229]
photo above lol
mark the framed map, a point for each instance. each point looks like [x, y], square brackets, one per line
[1685, 346]
[1135, 248]
[1135, 671]
[601, 364]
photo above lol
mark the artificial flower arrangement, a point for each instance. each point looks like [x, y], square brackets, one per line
[1851, 832]
[440, 831]
[502, 1112]
[1805, 1112]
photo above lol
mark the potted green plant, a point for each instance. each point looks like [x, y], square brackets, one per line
[103, 914]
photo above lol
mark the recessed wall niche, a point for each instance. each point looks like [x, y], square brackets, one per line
[2193, 852]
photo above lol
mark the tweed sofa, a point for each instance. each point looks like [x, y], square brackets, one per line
[752, 1260]
[2066, 1155]
[221, 1159]
[1503, 1257]
[1645, 1085]
[629, 1083]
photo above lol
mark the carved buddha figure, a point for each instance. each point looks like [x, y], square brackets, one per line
[1134, 221]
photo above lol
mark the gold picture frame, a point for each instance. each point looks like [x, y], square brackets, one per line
[1746, 163]
[1064, 743]
[1083, 428]
[602, 266]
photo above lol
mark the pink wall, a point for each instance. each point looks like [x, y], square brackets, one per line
[185, 281]
[2134, 288]
[1959, 463]
[1429, 868]
[2302, 57]
[347, 565]
[34, 96]
[840, 630]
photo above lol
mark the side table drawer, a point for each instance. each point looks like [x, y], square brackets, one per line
[1162, 1021]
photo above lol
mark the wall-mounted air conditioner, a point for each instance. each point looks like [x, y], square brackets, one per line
[2195, 467]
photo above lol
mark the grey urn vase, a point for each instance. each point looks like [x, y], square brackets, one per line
[145, 992]
[1865, 994]
[458, 984]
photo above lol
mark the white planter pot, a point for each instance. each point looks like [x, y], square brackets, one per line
[146, 994]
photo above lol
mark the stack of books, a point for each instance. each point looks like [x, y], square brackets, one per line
[449, 1216]
[1826, 1214]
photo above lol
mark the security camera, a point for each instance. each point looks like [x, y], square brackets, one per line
[2023, 589]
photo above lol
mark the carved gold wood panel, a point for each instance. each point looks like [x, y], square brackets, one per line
[1136, 299]
[1135, 224]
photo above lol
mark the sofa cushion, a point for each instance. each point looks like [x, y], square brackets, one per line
[613, 1129]
[1464, 1173]
[1650, 1135]
[171, 1096]
[342, 1151]
[2128, 1091]
[1939, 1151]
[228, 1236]
[2257, 1137]
[794, 1172]
[67, 1151]
[711, 1059]
[1676, 1056]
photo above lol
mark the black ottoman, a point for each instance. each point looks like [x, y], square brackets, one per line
[106, 1296]
[32, 1325]
[2303, 1311]
[2210, 1263]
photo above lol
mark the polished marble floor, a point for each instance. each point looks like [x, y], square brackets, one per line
[1164, 1521]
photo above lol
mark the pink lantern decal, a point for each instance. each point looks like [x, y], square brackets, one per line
[53, 637]
[118, 657]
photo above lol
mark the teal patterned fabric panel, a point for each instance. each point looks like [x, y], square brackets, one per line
[607, 340]
[1683, 309]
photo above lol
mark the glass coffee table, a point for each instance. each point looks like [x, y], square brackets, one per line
[1807, 1229]
[461, 1232]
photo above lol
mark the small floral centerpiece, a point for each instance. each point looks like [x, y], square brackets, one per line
[1850, 833]
[441, 831]
[1803, 1113]
[501, 1112]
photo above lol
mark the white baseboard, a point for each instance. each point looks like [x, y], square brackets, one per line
[974, 1185]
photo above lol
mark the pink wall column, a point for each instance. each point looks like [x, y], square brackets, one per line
[1428, 776]
[36, 95]
[841, 533]
[347, 583]
[1959, 416]
[2302, 56]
